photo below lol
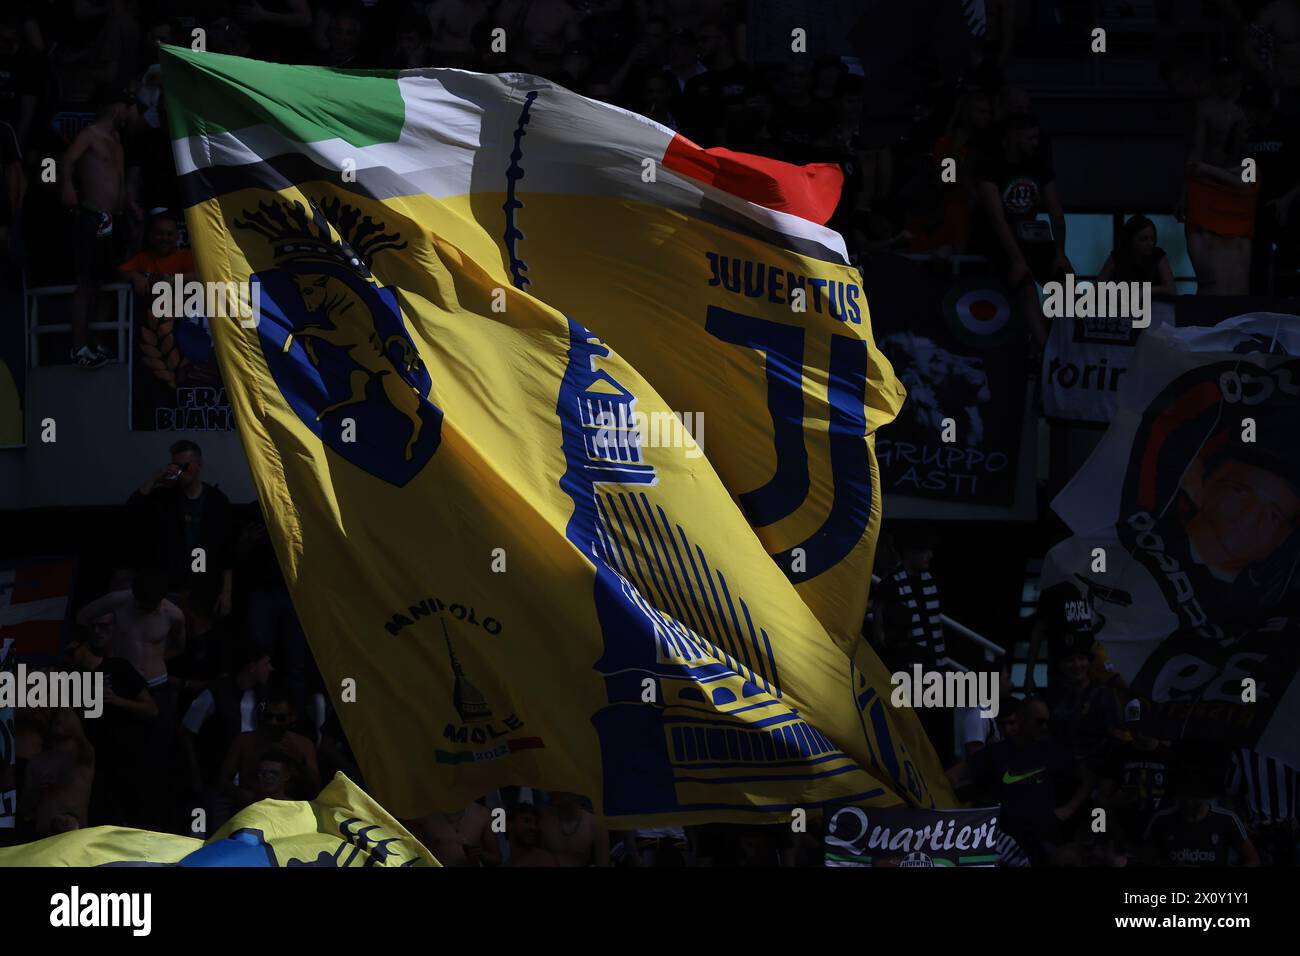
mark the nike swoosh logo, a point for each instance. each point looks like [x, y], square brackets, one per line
[1009, 777]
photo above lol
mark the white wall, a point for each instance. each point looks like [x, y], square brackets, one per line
[96, 459]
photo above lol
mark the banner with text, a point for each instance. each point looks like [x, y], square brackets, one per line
[956, 350]
[1185, 532]
[175, 383]
[1087, 359]
[913, 838]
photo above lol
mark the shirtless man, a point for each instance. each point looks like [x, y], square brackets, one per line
[274, 772]
[60, 777]
[1218, 243]
[572, 834]
[148, 630]
[93, 174]
[463, 838]
[526, 838]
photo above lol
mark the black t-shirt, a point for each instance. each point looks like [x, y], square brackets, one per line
[192, 522]
[1141, 774]
[1030, 781]
[116, 732]
[168, 526]
[1206, 842]
[122, 678]
[1083, 721]
[1021, 185]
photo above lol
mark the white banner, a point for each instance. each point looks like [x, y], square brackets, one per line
[1185, 522]
[1087, 360]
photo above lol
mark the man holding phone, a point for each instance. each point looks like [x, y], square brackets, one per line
[185, 528]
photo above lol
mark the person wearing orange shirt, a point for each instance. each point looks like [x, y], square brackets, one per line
[161, 258]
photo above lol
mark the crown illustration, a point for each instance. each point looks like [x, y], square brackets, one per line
[297, 235]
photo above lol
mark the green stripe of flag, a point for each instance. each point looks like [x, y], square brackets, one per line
[214, 93]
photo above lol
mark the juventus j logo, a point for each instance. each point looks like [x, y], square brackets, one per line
[783, 349]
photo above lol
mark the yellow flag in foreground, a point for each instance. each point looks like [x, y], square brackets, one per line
[512, 562]
[341, 827]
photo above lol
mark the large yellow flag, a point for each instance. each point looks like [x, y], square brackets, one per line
[511, 564]
[341, 827]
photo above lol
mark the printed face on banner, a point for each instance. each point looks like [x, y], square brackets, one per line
[1197, 596]
[1214, 517]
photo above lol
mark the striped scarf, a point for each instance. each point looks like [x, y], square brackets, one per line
[1009, 852]
[925, 629]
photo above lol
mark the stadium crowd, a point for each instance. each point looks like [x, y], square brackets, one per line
[80, 83]
[214, 700]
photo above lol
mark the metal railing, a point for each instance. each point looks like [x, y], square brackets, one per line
[121, 323]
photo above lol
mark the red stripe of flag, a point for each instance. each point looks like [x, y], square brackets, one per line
[811, 192]
[37, 582]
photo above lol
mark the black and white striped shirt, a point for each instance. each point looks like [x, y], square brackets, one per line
[1269, 787]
